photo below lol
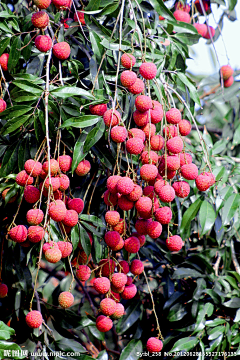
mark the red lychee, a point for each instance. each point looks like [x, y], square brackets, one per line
[143, 103]
[174, 243]
[137, 87]
[152, 157]
[149, 128]
[54, 167]
[71, 218]
[226, 71]
[65, 162]
[119, 311]
[134, 146]
[125, 186]
[35, 233]
[83, 168]
[170, 130]
[57, 210]
[103, 323]
[136, 133]
[205, 5]
[163, 215]
[184, 127]
[31, 194]
[4, 61]
[34, 216]
[136, 267]
[53, 255]
[43, 43]
[48, 245]
[76, 204]
[135, 194]
[111, 120]
[227, 83]
[61, 4]
[112, 238]
[18, 233]
[157, 142]
[128, 60]
[54, 182]
[119, 134]
[185, 158]
[83, 272]
[23, 178]
[128, 78]
[34, 319]
[148, 70]
[101, 285]
[189, 171]
[148, 172]
[112, 183]
[40, 19]
[144, 204]
[119, 280]
[129, 292]
[112, 217]
[107, 267]
[3, 291]
[123, 267]
[141, 238]
[98, 109]
[110, 199]
[79, 15]
[33, 167]
[210, 33]
[108, 306]
[173, 116]
[156, 114]
[61, 50]
[140, 118]
[42, 4]
[182, 16]
[3, 105]
[175, 145]
[166, 193]
[65, 247]
[64, 182]
[201, 29]
[120, 227]
[65, 299]
[202, 182]
[182, 188]
[154, 345]
[141, 226]
[119, 246]
[154, 229]
[132, 245]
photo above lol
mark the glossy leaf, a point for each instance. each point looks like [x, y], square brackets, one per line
[81, 121]
[14, 54]
[132, 350]
[188, 216]
[64, 92]
[230, 208]
[207, 217]
[93, 136]
[85, 241]
[186, 343]
[132, 315]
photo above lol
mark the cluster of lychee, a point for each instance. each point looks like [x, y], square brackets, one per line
[227, 73]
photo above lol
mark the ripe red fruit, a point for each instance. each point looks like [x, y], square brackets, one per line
[119, 311]
[71, 218]
[143, 103]
[53, 255]
[154, 229]
[33, 167]
[103, 323]
[120, 227]
[128, 60]
[40, 19]
[225, 70]
[141, 239]
[141, 226]
[60, 4]
[3, 291]
[112, 183]
[149, 128]
[98, 109]
[42, 4]
[112, 238]
[125, 204]
[108, 306]
[65, 299]
[22, 178]
[206, 6]
[4, 61]
[157, 142]
[137, 87]
[189, 171]
[128, 78]
[149, 191]
[112, 217]
[65, 247]
[173, 163]
[144, 204]
[61, 50]
[136, 133]
[171, 131]
[137, 267]
[134, 146]
[174, 243]
[154, 345]
[57, 210]
[107, 267]
[35, 233]
[110, 120]
[48, 245]
[166, 193]
[140, 118]
[83, 168]
[123, 267]
[119, 246]
[83, 272]
[3, 105]
[132, 245]
[54, 182]
[201, 29]
[163, 215]
[110, 199]
[119, 134]
[152, 158]
[18, 233]
[202, 182]
[101, 285]
[184, 127]
[43, 43]
[183, 7]
[173, 116]
[34, 216]
[227, 83]
[54, 167]
[31, 194]
[129, 292]
[125, 186]
[34, 319]
[211, 177]
[119, 280]
[185, 158]
[181, 15]
[76, 204]
[65, 162]
[148, 70]
[135, 194]
[156, 114]
[175, 145]
[80, 17]
[64, 182]
[182, 188]
[148, 172]
[210, 33]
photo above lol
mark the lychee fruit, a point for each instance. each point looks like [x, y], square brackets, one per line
[103, 323]
[202, 182]
[83, 272]
[33, 167]
[101, 285]
[76, 204]
[112, 217]
[149, 157]
[134, 146]
[174, 243]
[163, 215]
[53, 255]
[34, 216]
[136, 133]
[154, 345]
[40, 19]
[54, 182]
[189, 171]
[166, 193]
[42, 4]
[61, 50]
[23, 178]
[148, 70]
[35, 233]
[119, 311]
[170, 130]
[71, 218]
[175, 145]
[136, 267]
[3, 291]
[141, 238]
[110, 199]
[125, 186]
[141, 226]
[137, 87]
[4, 61]
[211, 177]
[112, 183]
[65, 299]
[120, 227]
[3, 105]
[185, 158]
[83, 168]
[227, 83]
[129, 292]
[128, 78]
[129, 281]
[132, 245]
[128, 60]
[108, 306]
[154, 229]
[31, 194]
[111, 120]
[182, 188]
[123, 267]
[34, 319]
[136, 193]
[143, 103]
[43, 43]
[57, 210]
[125, 204]
[64, 182]
[148, 172]
[144, 204]
[181, 15]
[119, 134]
[65, 247]
[61, 4]
[107, 267]
[18, 233]
[173, 116]
[54, 167]
[98, 109]
[119, 246]
[156, 114]
[184, 127]
[119, 280]
[157, 142]
[112, 238]
[201, 29]
[140, 118]
[65, 162]
[210, 33]
[149, 130]
[79, 15]
[48, 245]
[226, 71]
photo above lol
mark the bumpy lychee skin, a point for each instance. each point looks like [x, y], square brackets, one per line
[157, 142]
[108, 306]
[132, 245]
[65, 162]
[53, 255]
[174, 243]
[125, 185]
[189, 171]
[171, 131]
[80, 17]
[83, 272]
[152, 157]
[128, 78]
[144, 204]
[125, 204]
[156, 114]
[119, 134]
[173, 163]
[182, 188]
[65, 299]
[128, 61]
[112, 183]
[33, 167]
[182, 16]
[175, 145]
[148, 70]
[4, 61]
[3, 291]
[42, 4]
[173, 116]
[57, 210]
[83, 168]
[201, 29]
[184, 127]
[226, 71]
[119, 280]
[211, 177]
[18, 233]
[43, 43]
[62, 50]
[140, 118]
[211, 31]
[141, 238]
[112, 217]
[167, 193]
[98, 109]
[40, 19]
[54, 182]
[227, 83]
[65, 247]
[48, 245]
[110, 120]
[110, 199]
[143, 103]
[123, 267]
[129, 292]
[119, 246]
[34, 216]
[154, 229]
[116, 297]
[120, 227]
[137, 87]
[31, 194]
[54, 167]
[148, 172]
[118, 290]
[149, 128]
[112, 238]
[3, 105]
[119, 312]
[76, 204]
[135, 194]
[202, 182]
[103, 323]
[185, 158]
[141, 226]
[22, 178]
[64, 182]
[163, 215]
[34, 319]
[136, 133]
[60, 4]
[107, 267]
[134, 146]
[154, 345]
[71, 218]
[136, 267]
[35, 233]
[101, 285]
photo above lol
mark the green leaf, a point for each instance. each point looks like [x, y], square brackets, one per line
[81, 121]
[96, 333]
[3, 45]
[103, 355]
[65, 92]
[236, 136]
[161, 9]
[187, 38]
[207, 217]
[93, 5]
[15, 350]
[29, 86]
[110, 8]
[132, 315]
[78, 150]
[5, 331]
[85, 241]
[14, 54]
[233, 303]
[15, 124]
[70, 345]
[92, 219]
[28, 47]
[219, 146]
[94, 136]
[230, 208]
[9, 160]
[186, 344]
[75, 236]
[132, 351]
[188, 216]
[232, 4]
[237, 316]
[191, 87]
[214, 333]
[181, 273]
